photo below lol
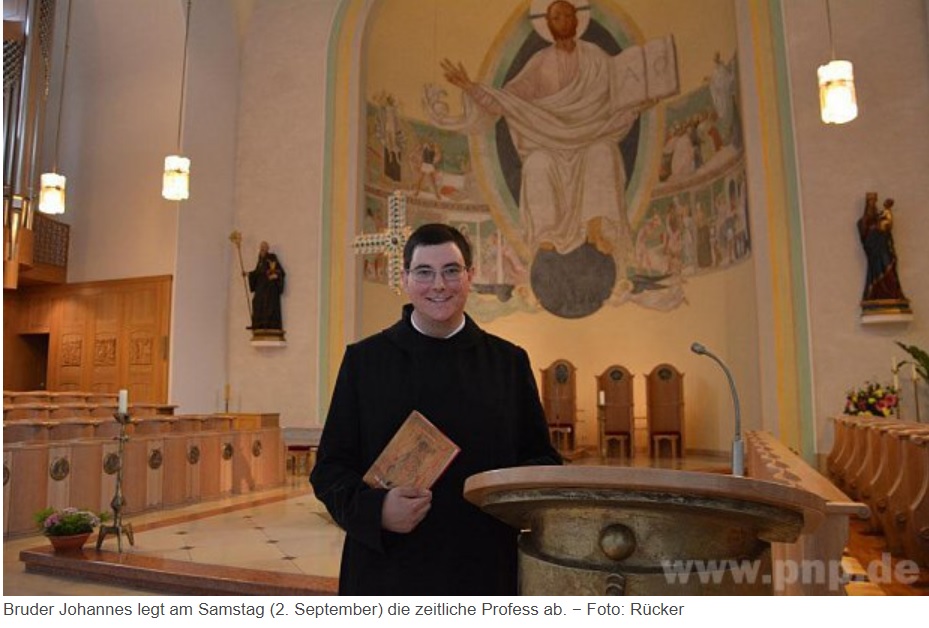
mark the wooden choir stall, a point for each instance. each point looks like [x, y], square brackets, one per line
[61, 450]
[559, 399]
[615, 411]
[665, 397]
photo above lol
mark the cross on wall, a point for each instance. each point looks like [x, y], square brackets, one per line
[390, 242]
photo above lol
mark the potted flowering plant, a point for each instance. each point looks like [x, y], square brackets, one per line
[67, 528]
[872, 398]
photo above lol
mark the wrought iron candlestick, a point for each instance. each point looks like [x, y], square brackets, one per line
[118, 528]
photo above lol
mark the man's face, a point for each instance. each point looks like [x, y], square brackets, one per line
[263, 249]
[440, 303]
[562, 20]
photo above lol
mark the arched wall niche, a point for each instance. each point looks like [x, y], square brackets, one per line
[719, 308]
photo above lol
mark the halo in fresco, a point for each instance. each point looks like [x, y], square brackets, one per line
[540, 7]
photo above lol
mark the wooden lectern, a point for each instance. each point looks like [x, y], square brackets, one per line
[639, 531]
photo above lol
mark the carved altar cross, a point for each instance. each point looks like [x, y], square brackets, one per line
[390, 242]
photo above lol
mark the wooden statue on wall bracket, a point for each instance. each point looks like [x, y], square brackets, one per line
[883, 299]
[266, 285]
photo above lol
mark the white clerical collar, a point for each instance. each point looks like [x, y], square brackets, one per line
[420, 330]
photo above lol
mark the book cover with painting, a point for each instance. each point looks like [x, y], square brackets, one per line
[417, 455]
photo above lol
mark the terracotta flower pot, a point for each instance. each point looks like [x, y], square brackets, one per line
[69, 544]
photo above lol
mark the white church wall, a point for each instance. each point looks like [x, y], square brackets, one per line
[885, 150]
[204, 253]
[279, 166]
[120, 121]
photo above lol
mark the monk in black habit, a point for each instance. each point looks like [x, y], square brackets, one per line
[476, 388]
[267, 284]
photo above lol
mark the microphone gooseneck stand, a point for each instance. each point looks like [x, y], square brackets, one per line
[738, 449]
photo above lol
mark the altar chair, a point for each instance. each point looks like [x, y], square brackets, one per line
[665, 392]
[559, 399]
[615, 411]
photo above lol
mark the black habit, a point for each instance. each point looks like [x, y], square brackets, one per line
[267, 284]
[479, 390]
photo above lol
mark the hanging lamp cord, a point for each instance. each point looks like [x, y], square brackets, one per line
[180, 115]
[64, 78]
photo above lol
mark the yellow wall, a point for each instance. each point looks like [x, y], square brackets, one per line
[420, 33]
[405, 39]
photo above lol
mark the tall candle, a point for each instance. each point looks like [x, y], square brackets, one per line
[913, 372]
[123, 406]
[896, 382]
[601, 398]
[226, 391]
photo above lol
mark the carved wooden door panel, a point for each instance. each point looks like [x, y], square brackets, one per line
[110, 335]
[145, 338]
[70, 351]
[103, 373]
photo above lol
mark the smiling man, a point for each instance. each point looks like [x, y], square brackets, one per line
[476, 388]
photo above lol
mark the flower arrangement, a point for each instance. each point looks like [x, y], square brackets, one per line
[67, 521]
[876, 399]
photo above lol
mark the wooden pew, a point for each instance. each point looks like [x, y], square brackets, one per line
[28, 396]
[851, 462]
[904, 491]
[883, 463]
[863, 479]
[821, 547]
[888, 468]
[26, 410]
[916, 539]
[170, 460]
[841, 442]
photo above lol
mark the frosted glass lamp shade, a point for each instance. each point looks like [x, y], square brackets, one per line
[837, 101]
[52, 193]
[176, 182]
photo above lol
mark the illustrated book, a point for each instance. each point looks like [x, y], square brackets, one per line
[646, 73]
[417, 455]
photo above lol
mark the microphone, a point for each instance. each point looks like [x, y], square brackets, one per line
[738, 451]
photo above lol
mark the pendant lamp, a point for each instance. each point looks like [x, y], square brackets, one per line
[52, 184]
[838, 103]
[176, 180]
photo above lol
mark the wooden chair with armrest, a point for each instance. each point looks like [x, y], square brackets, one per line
[615, 411]
[665, 393]
[559, 399]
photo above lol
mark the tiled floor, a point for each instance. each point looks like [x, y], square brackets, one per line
[290, 536]
[284, 530]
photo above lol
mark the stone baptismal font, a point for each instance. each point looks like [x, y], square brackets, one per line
[641, 531]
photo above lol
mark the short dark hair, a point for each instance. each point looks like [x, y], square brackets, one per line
[436, 233]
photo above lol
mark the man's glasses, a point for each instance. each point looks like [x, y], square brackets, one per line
[426, 275]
